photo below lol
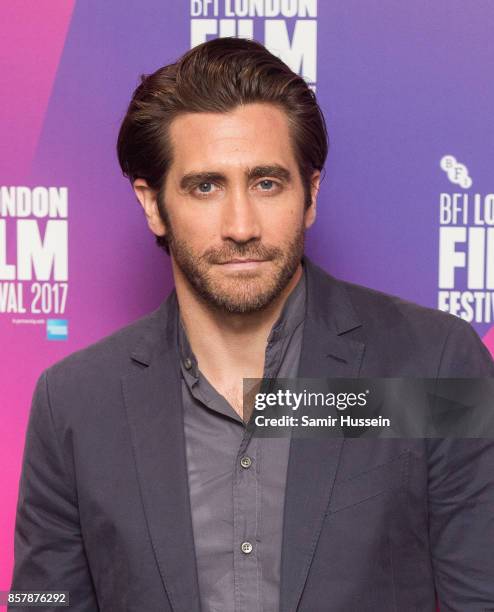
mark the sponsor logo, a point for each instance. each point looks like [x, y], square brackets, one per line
[57, 329]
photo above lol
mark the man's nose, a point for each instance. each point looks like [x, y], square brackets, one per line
[240, 219]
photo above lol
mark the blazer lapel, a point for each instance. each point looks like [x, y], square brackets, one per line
[313, 462]
[152, 393]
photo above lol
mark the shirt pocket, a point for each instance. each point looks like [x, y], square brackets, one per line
[371, 483]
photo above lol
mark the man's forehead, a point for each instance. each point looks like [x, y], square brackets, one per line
[249, 136]
[258, 124]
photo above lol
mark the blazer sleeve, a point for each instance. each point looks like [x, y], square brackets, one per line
[461, 493]
[48, 545]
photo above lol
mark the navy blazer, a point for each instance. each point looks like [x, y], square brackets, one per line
[369, 524]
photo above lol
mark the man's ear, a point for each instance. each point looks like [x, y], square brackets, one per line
[148, 199]
[310, 213]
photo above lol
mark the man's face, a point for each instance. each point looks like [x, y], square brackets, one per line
[234, 202]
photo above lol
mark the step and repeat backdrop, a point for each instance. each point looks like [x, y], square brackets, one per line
[406, 206]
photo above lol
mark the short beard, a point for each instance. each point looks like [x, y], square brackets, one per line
[248, 293]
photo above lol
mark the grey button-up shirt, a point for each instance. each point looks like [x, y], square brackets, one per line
[236, 480]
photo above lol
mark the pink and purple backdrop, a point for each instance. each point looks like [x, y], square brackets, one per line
[402, 86]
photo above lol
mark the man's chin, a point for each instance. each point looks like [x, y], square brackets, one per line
[245, 292]
[228, 305]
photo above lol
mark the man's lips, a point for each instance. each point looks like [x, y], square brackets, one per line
[242, 261]
[242, 264]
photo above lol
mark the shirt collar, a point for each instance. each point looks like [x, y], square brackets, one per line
[293, 312]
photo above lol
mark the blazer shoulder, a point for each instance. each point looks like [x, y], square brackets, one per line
[435, 342]
[374, 310]
[378, 308]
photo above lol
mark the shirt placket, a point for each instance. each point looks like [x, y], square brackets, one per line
[246, 510]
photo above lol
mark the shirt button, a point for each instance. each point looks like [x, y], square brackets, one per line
[246, 462]
[246, 547]
[188, 364]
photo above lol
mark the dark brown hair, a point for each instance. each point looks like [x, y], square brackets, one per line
[217, 76]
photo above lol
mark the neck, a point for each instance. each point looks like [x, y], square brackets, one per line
[227, 345]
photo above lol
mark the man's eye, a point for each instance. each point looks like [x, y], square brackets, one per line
[205, 187]
[267, 185]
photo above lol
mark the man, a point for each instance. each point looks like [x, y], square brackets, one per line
[142, 488]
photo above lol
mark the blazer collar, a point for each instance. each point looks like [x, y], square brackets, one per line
[160, 332]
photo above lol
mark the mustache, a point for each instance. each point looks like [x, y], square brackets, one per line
[241, 251]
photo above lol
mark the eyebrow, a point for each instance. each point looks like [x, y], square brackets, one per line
[196, 178]
[276, 171]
